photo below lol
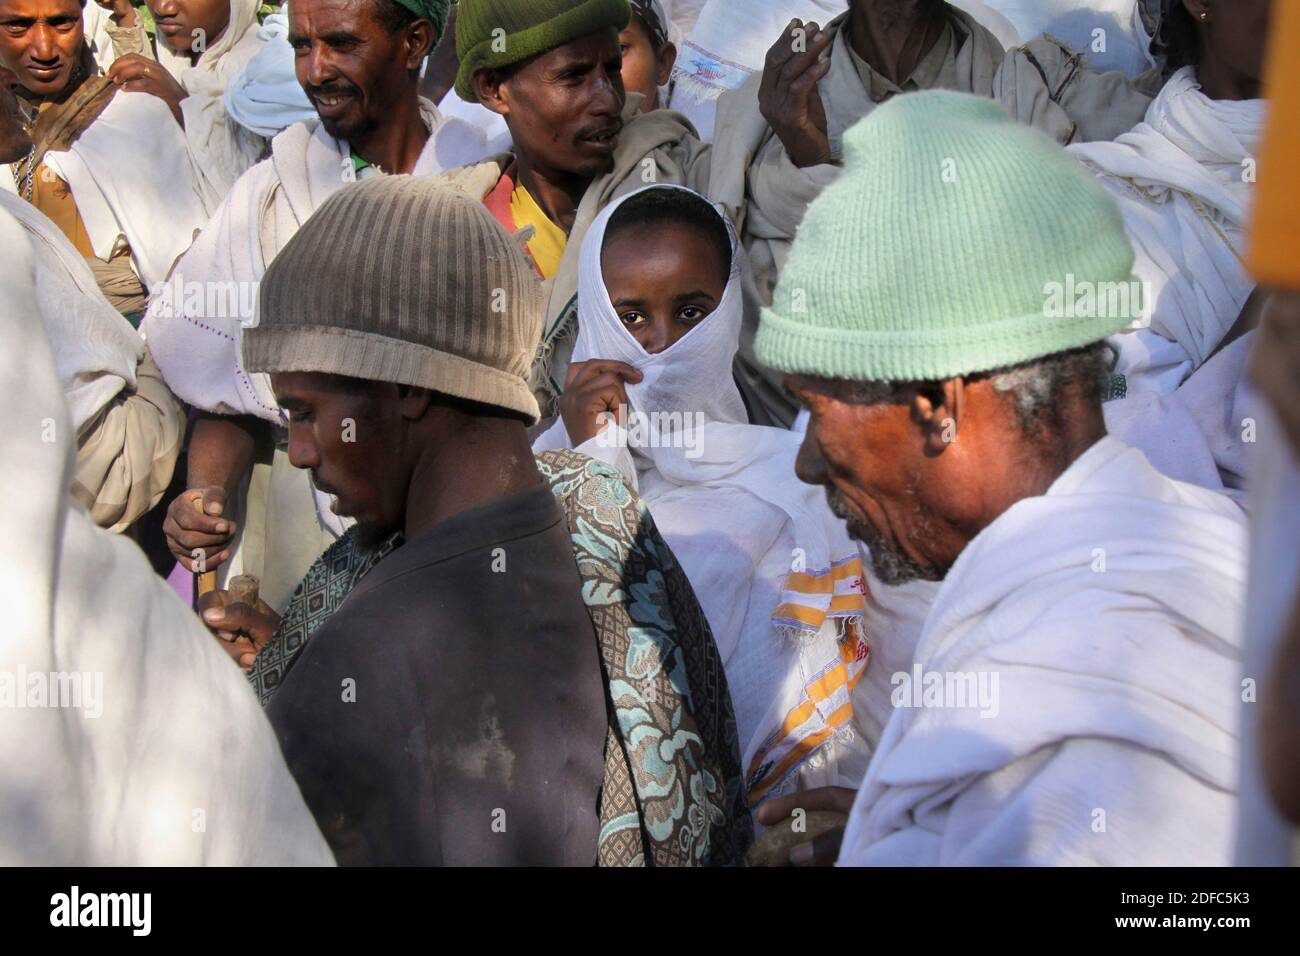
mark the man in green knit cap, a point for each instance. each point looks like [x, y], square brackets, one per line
[552, 69]
[1072, 692]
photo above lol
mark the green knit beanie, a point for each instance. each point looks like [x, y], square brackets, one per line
[491, 34]
[434, 10]
[955, 241]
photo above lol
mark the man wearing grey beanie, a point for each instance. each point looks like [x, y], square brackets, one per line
[451, 681]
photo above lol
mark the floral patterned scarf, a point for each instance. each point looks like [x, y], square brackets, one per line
[672, 793]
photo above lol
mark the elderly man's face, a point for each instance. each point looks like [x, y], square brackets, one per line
[352, 436]
[40, 43]
[351, 68]
[886, 475]
[563, 107]
[183, 23]
[14, 140]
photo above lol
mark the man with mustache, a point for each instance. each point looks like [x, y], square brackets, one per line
[553, 70]
[107, 165]
[201, 46]
[358, 63]
[1072, 696]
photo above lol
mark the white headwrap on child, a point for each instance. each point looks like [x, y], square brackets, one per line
[766, 557]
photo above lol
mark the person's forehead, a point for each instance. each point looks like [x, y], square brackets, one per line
[40, 9]
[592, 47]
[318, 16]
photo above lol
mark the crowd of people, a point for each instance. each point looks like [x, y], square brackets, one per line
[650, 432]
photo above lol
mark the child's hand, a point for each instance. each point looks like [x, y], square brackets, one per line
[593, 389]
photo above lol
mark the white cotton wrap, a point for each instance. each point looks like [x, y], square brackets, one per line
[735, 515]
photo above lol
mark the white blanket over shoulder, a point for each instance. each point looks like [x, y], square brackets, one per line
[1183, 179]
[195, 336]
[96, 351]
[220, 149]
[168, 759]
[130, 176]
[1115, 734]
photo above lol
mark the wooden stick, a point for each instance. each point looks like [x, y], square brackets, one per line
[243, 589]
[207, 579]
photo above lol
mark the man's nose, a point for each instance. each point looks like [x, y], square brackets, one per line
[303, 452]
[608, 96]
[44, 43]
[165, 8]
[320, 68]
[809, 465]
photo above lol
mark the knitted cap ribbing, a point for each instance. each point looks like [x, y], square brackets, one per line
[491, 34]
[402, 279]
[933, 254]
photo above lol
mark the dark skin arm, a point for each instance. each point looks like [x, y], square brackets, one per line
[220, 458]
[788, 97]
[138, 74]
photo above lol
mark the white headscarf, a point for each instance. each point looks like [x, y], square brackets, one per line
[779, 580]
[1180, 180]
[208, 74]
[692, 378]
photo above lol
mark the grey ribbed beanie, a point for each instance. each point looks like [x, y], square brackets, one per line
[403, 279]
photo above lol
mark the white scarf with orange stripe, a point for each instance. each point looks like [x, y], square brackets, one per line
[778, 578]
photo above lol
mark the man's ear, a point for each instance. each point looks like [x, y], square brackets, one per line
[492, 89]
[664, 62]
[1196, 8]
[419, 43]
[937, 409]
[413, 402]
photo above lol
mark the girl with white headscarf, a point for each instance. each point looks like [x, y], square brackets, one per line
[779, 580]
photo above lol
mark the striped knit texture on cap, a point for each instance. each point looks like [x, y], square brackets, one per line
[529, 27]
[403, 279]
[932, 254]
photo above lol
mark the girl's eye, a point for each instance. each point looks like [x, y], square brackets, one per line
[692, 313]
[632, 318]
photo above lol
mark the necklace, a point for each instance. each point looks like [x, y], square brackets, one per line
[23, 180]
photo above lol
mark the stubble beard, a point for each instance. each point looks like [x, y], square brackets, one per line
[889, 564]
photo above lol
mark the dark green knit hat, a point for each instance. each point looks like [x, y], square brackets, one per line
[491, 34]
[435, 10]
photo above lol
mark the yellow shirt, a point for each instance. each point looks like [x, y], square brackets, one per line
[1275, 233]
[548, 242]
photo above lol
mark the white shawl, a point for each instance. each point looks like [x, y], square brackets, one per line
[219, 149]
[738, 519]
[193, 333]
[130, 176]
[168, 760]
[95, 349]
[1115, 641]
[1184, 180]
